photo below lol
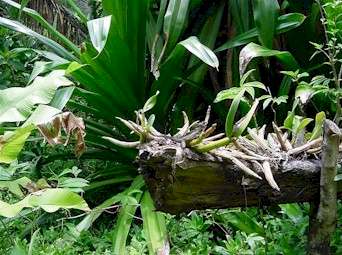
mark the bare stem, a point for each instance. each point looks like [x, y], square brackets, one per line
[212, 145]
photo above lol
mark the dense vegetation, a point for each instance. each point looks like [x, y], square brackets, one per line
[68, 176]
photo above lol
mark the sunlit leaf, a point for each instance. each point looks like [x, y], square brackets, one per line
[49, 200]
[288, 123]
[227, 94]
[201, 51]
[318, 129]
[302, 124]
[252, 50]
[304, 93]
[98, 31]
[16, 103]
[12, 142]
[151, 102]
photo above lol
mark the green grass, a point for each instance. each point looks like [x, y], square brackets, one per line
[200, 232]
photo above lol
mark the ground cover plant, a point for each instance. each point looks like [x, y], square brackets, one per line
[170, 59]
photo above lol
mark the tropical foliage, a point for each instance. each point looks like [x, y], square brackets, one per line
[163, 57]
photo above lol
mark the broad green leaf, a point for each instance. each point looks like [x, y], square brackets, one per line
[304, 93]
[62, 97]
[240, 14]
[227, 94]
[41, 67]
[126, 47]
[174, 21]
[98, 31]
[318, 129]
[154, 227]
[245, 223]
[50, 200]
[73, 183]
[16, 103]
[285, 23]
[252, 50]
[302, 124]
[255, 84]
[201, 51]
[265, 18]
[13, 142]
[116, 75]
[293, 211]
[288, 123]
[42, 114]
[241, 126]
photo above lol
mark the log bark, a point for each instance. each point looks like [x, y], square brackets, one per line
[202, 181]
[324, 212]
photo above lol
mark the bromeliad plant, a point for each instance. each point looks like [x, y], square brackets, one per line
[136, 49]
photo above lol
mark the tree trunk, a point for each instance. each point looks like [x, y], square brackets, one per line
[323, 213]
[57, 14]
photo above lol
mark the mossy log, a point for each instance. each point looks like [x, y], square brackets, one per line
[193, 170]
[202, 181]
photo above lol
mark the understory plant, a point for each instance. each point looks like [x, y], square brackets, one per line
[139, 55]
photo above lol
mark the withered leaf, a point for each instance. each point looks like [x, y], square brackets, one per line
[71, 125]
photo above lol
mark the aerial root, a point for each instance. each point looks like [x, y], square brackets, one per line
[122, 143]
[238, 163]
[266, 168]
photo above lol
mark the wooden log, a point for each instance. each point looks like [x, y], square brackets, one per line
[202, 181]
